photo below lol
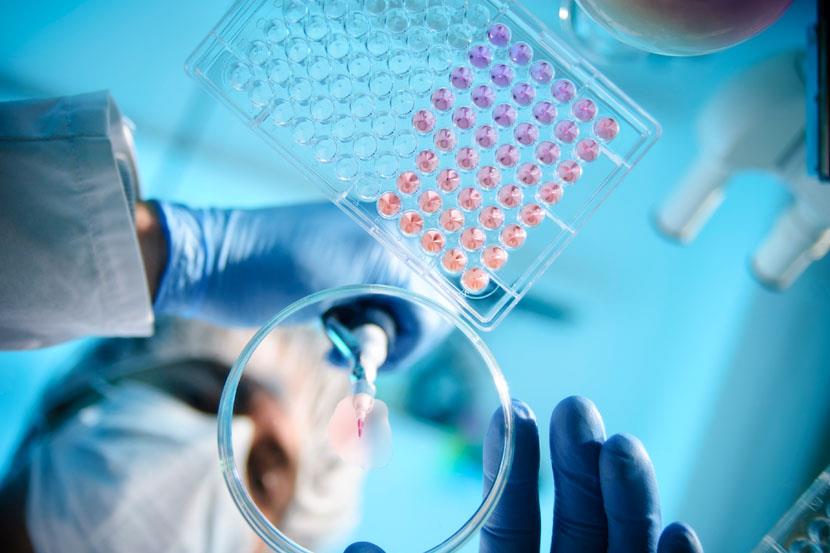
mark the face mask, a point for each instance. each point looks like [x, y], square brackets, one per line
[137, 471]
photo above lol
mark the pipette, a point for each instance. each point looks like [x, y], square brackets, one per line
[364, 349]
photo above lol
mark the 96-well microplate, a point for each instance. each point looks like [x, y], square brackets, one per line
[462, 135]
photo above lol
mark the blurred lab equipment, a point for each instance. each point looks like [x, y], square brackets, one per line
[757, 121]
[683, 28]
[595, 41]
[805, 528]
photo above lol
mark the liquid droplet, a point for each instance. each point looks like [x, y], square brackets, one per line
[367, 444]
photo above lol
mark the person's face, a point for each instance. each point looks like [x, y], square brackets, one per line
[273, 460]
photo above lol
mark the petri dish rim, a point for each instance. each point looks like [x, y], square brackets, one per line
[275, 539]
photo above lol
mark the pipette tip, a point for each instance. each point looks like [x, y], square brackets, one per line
[359, 428]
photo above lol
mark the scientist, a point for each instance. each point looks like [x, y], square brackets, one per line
[81, 256]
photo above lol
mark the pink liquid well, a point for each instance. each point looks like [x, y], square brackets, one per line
[547, 152]
[513, 236]
[494, 257]
[472, 238]
[551, 192]
[606, 128]
[469, 199]
[584, 109]
[566, 131]
[427, 161]
[510, 196]
[389, 204]
[429, 201]
[423, 121]
[454, 260]
[544, 112]
[452, 219]
[448, 180]
[475, 280]
[411, 223]
[408, 182]
[529, 174]
[569, 171]
[488, 177]
[432, 241]
[587, 149]
[467, 158]
[507, 155]
[444, 140]
[491, 217]
[443, 99]
[532, 215]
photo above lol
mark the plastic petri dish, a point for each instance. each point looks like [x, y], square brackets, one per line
[420, 523]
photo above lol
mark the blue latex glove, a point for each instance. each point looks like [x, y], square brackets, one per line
[606, 497]
[606, 493]
[240, 267]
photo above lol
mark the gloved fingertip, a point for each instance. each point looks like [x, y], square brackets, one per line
[679, 537]
[363, 547]
[576, 419]
[624, 457]
[526, 438]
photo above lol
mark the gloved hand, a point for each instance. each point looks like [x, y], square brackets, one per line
[240, 267]
[606, 496]
[606, 493]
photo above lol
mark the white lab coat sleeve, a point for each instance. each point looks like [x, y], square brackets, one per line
[70, 264]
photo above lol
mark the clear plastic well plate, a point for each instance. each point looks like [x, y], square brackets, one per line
[461, 134]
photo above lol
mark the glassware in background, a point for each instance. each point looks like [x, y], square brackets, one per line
[805, 528]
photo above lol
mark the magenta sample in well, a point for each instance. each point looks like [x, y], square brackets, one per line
[584, 109]
[499, 34]
[501, 74]
[606, 128]
[507, 155]
[541, 72]
[423, 121]
[504, 115]
[587, 149]
[547, 152]
[443, 99]
[544, 112]
[480, 56]
[486, 136]
[526, 134]
[483, 96]
[521, 53]
[467, 158]
[444, 140]
[461, 77]
[464, 118]
[563, 90]
[566, 131]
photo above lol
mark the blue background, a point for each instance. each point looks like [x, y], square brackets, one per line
[725, 382]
